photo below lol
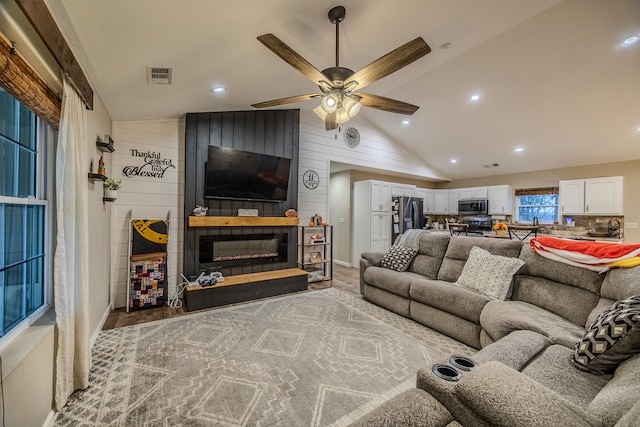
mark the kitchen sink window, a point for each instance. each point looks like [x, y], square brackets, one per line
[540, 203]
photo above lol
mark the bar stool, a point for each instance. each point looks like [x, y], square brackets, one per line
[458, 228]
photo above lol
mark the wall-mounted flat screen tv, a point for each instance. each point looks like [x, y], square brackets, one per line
[244, 175]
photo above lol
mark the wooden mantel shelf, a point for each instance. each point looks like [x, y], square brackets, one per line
[242, 221]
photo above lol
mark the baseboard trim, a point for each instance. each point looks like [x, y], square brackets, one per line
[342, 263]
[105, 316]
[51, 418]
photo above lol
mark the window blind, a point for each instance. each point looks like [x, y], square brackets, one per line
[19, 79]
[535, 191]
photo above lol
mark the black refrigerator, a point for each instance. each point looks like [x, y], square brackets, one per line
[406, 213]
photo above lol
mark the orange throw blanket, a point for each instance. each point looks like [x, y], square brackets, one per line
[595, 256]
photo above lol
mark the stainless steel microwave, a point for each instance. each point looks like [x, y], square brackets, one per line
[473, 207]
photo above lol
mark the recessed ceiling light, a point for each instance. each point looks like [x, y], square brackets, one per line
[475, 97]
[519, 150]
[406, 121]
[454, 160]
[630, 41]
[219, 89]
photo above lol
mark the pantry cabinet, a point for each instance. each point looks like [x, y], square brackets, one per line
[371, 217]
[379, 194]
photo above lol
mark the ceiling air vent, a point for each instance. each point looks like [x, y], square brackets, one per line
[159, 75]
[491, 165]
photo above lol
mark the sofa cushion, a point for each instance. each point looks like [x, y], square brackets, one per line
[398, 258]
[458, 252]
[536, 265]
[613, 337]
[500, 318]
[552, 369]
[553, 296]
[621, 283]
[505, 397]
[462, 302]
[391, 281]
[430, 253]
[489, 274]
[620, 394]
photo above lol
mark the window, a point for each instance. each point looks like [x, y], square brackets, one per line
[23, 215]
[539, 203]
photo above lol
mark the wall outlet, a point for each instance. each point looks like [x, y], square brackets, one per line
[341, 219]
[630, 225]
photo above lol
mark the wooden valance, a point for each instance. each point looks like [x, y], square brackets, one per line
[536, 191]
[19, 79]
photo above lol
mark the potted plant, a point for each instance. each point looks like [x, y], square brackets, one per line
[111, 188]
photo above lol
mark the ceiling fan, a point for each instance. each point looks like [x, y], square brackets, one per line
[338, 85]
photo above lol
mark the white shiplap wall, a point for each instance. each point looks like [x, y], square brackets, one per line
[318, 148]
[144, 197]
[153, 198]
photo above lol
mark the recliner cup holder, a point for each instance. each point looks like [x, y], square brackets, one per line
[463, 363]
[446, 372]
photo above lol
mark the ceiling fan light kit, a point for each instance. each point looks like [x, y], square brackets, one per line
[339, 103]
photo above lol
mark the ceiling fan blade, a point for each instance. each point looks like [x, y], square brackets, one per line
[386, 104]
[391, 62]
[289, 100]
[330, 122]
[291, 57]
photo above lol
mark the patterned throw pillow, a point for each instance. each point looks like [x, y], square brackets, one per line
[489, 274]
[398, 258]
[612, 338]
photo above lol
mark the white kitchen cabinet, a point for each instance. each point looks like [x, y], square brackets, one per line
[400, 190]
[440, 201]
[473, 193]
[371, 217]
[427, 196]
[603, 196]
[380, 231]
[379, 194]
[452, 201]
[571, 197]
[500, 199]
[591, 196]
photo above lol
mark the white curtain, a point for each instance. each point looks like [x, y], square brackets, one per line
[71, 278]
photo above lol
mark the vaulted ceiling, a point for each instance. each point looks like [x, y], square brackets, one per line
[552, 75]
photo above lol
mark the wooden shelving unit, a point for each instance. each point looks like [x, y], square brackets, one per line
[241, 221]
[316, 256]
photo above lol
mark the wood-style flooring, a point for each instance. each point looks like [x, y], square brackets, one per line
[344, 278]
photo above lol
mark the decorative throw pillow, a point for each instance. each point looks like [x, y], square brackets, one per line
[489, 274]
[398, 258]
[612, 338]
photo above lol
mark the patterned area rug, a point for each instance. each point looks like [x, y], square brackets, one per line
[321, 358]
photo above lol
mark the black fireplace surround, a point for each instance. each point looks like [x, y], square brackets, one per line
[242, 249]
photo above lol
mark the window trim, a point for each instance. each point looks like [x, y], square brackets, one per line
[537, 192]
[46, 137]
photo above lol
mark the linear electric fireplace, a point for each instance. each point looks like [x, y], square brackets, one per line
[242, 249]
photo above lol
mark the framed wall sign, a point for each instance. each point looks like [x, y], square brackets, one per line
[311, 179]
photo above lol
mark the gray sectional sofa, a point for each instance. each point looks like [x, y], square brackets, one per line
[527, 370]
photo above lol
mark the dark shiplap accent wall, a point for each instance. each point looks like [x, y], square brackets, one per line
[274, 132]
